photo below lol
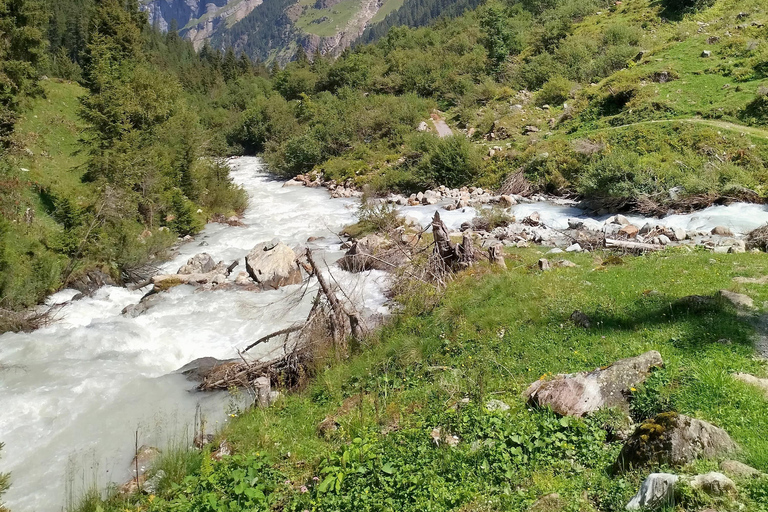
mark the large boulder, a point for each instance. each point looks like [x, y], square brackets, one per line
[582, 393]
[673, 439]
[272, 265]
[657, 490]
[198, 264]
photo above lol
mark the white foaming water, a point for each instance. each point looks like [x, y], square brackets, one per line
[741, 218]
[72, 394]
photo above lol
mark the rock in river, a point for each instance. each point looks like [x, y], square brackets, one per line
[272, 265]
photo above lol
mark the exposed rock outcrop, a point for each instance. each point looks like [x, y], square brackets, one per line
[673, 439]
[582, 393]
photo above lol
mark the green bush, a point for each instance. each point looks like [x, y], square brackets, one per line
[555, 92]
[452, 161]
[618, 174]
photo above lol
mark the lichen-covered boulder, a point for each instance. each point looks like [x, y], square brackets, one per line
[582, 393]
[273, 265]
[673, 439]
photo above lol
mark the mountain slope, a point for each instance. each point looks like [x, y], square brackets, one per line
[272, 29]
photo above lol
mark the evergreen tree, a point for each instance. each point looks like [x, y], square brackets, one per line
[22, 54]
[244, 65]
[229, 66]
[301, 56]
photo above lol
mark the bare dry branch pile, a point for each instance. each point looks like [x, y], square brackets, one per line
[516, 184]
[330, 321]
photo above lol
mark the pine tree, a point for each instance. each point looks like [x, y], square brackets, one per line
[229, 66]
[301, 56]
[22, 54]
[244, 65]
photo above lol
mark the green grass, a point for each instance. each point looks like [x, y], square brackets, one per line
[389, 6]
[491, 335]
[337, 18]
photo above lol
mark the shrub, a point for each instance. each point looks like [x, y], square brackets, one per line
[618, 175]
[555, 92]
[452, 161]
[490, 218]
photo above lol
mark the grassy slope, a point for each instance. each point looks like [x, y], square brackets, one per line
[51, 129]
[492, 334]
[337, 18]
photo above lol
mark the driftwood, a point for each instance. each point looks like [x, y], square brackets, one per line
[631, 246]
[329, 316]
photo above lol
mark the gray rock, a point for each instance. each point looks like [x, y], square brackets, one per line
[273, 265]
[714, 484]
[759, 383]
[544, 264]
[565, 264]
[657, 490]
[706, 54]
[581, 393]
[144, 458]
[575, 223]
[574, 248]
[556, 250]
[198, 369]
[664, 240]
[647, 228]
[618, 220]
[679, 234]
[91, 281]
[673, 439]
[738, 469]
[737, 299]
[198, 264]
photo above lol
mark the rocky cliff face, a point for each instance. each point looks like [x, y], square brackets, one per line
[198, 20]
[217, 21]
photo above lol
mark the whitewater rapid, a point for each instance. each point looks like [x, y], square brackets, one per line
[73, 394]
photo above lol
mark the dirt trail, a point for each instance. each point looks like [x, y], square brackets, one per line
[723, 125]
[443, 130]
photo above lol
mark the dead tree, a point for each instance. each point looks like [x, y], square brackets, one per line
[343, 323]
[453, 256]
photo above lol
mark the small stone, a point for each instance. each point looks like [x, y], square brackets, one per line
[506, 201]
[706, 54]
[581, 319]
[556, 250]
[664, 240]
[739, 470]
[574, 248]
[737, 299]
[565, 264]
[757, 382]
[544, 264]
[575, 223]
[629, 231]
[679, 234]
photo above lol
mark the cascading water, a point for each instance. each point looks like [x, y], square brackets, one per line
[73, 394]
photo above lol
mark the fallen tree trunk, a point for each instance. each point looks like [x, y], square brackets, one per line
[631, 246]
